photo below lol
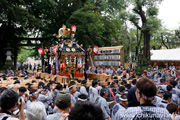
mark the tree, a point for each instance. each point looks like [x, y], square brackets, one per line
[165, 38]
[24, 53]
[147, 11]
[92, 28]
[170, 39]
[15, 21]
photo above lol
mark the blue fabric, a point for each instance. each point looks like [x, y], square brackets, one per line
[131, 112]
[132, 101]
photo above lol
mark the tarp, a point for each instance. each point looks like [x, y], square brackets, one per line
[165, 55]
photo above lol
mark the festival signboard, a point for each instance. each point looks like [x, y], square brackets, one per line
[109, 56]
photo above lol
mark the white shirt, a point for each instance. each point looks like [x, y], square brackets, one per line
[83, 90]
[93, 94]
[2, 115]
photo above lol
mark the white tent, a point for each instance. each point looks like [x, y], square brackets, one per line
[165, 55]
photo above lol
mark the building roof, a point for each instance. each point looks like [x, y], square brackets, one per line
[165, 55]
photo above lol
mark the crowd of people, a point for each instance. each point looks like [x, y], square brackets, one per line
[154, 95]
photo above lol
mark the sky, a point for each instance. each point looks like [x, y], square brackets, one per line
[169, 13]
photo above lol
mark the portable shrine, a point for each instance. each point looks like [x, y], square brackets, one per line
[70, 57]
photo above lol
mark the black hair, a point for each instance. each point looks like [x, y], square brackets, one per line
[147, 87]
[172, 108]
[83, 96]
[134, 81]
[124, 82]
[41, 84]
[86, 111]
[128, 86]
[33, 91]
[15, 78]
[173, 83]
[72, 83]
[8, 99]
[25, 78]
[59, 86]
[162, 80]
[116, 81]
[38, 77]
[45, 88]
[102, 92]
[22, 89]
[29, 86]
[159, 74]
[62, 105]
[4, 78]
[167, 95]
[169, 87]
[94, 83]
[121, 88]
[83, 82]
[52, 82]
[34, 81]
[17, 82]
[48, 85]
[79, 81]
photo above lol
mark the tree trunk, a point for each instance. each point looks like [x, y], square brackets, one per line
[147, 45]
[15, 56]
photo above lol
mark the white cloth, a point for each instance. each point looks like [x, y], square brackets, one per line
[93, 94]
[2, 115]
[83, 90]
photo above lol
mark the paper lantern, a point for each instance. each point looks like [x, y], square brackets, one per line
[79, 65]
[73, 28]
[54, 50]
[41, 51]
[62, 65]
[95, 49]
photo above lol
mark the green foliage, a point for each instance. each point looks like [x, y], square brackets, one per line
[147, 11]
[25, 53]
[98, 22]
[109, 6]
[165, 38]
[151, 25]
[152, 11]
[149, 19]
[15, 21]
[92, 28]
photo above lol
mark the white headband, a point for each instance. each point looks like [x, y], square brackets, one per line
[33, 94]
[121, 99]
[82, 99]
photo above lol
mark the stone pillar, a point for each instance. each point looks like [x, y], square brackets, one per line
[9, 62]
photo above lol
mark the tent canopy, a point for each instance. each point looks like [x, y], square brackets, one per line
[165, 55]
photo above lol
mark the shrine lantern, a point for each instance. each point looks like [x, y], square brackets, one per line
[62, 65]
[54, 50]
[79, 65]
[73, 28]
[95, 49]
[41, 51]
